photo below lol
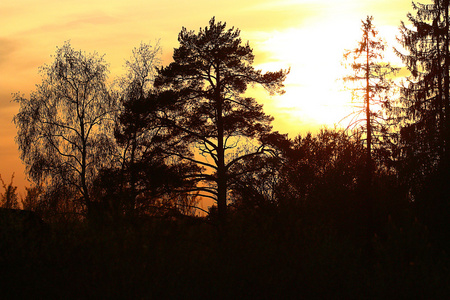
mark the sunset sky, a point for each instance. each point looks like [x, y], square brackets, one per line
[309, 36]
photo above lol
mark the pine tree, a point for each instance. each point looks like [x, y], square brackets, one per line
[208, 78]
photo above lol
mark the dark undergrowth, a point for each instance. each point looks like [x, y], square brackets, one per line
[261, 255]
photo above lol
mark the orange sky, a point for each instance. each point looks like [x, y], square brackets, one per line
[307, 35]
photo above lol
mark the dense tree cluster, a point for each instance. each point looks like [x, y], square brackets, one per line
[122, 169]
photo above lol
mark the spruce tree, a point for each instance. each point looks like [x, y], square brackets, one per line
[425, 96]
[425, 114]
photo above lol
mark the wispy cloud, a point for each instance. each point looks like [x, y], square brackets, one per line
[79, 21]
[285, 32]
[7, 47]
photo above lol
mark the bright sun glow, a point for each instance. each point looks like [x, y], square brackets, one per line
[315, 95]
[309, 36]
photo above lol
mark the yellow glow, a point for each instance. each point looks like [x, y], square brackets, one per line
[315, 95]
[307, 35]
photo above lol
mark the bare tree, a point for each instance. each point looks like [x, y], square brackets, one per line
[370, 85]
[65, 126]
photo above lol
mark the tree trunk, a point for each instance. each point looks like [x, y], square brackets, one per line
[440, 93]
[369, 128]
[369, 163]
[221, 172]
[446, 86]
[131, 204]
[84, 186]
[85, 190]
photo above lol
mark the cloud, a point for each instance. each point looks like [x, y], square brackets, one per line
[282, 14]
[74, 22]
[7, 48]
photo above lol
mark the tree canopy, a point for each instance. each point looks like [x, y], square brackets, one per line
[208, 78]
[64, 127]
[319, 215]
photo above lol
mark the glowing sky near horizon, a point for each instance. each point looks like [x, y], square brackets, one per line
[306, 35]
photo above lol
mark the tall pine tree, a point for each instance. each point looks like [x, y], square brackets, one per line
[209, 77]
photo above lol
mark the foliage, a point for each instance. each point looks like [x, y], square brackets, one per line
[64, 128]
[209, 76]
[424, 106]
[32, 200]
[9, 198]
[295, 208]
[144, 179]
[425, 114]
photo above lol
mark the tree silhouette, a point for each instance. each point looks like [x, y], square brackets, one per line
[31, 200]
[64, 128]
[9, 198]
[209, 76]
[144, 173]
[258, 184]
[425, 96]
[425, 108]
[131, 131]
[370, 86]
[370, 90]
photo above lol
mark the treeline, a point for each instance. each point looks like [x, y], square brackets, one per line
[352, 213]
[158, 140]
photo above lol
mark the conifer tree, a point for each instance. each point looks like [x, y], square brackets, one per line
[370, 85]
[425, 108]
[208, 78]
[425, 96]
